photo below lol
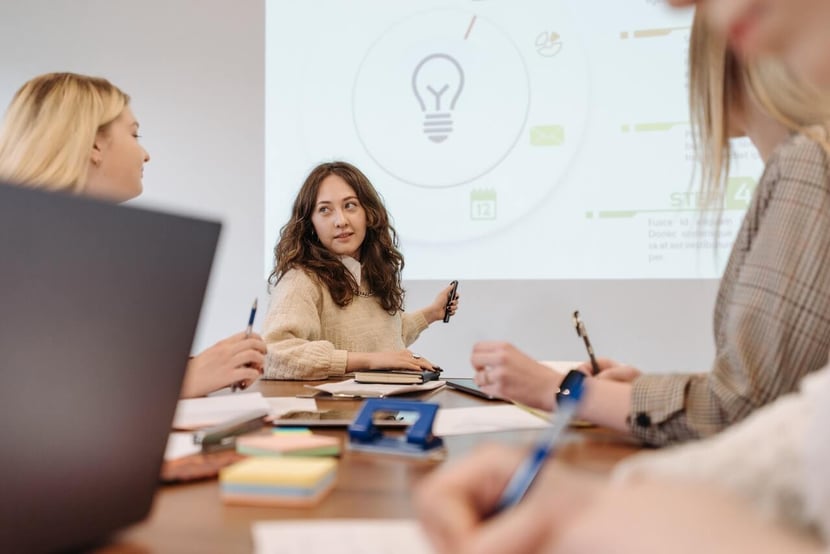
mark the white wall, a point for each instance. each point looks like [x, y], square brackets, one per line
[662, 326]
[195, 71]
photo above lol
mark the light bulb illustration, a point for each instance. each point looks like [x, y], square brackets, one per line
[437, 83]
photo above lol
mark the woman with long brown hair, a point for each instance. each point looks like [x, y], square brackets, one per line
[337, 303]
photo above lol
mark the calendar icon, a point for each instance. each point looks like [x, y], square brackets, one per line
[483, 204]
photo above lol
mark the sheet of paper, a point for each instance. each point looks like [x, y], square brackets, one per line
[351, 388]
[283, 404]
[180, 445]
[484, 419]
[348, 536]
[197, 413]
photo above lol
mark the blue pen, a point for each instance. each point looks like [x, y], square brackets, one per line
[527, 471]
[240, 385]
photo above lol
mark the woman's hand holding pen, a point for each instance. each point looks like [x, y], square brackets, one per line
[453, 503]
[567, 511]
[236, 358]
[435, 311]
[503, 370]
[611, 370]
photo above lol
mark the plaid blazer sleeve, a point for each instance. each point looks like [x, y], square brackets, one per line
[772, 317]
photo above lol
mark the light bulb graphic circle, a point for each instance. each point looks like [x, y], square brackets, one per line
[430, 110]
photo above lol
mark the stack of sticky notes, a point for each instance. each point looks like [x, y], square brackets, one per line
[288, 444]
[280, 481]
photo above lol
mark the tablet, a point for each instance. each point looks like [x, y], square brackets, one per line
[469, 386]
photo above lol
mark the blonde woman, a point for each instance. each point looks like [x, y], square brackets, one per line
[674, 500]
[773, 465]
[771, 316]
[77, 134]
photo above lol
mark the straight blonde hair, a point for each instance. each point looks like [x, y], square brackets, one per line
[50, 128]
[719, 83]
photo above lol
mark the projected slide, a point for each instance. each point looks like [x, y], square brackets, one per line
[441, 104]
[527, 139]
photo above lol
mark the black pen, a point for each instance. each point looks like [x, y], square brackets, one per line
[582, 332]
[248, 330]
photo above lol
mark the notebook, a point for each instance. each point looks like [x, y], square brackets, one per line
[99, 309]
[396, 376]
[352, 389]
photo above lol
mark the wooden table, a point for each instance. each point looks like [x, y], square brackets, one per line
[192, 517]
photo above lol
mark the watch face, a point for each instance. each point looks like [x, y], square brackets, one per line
[571, 387]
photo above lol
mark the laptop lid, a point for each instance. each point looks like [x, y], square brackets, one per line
[98, 309]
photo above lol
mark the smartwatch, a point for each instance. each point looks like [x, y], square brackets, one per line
[571, 387]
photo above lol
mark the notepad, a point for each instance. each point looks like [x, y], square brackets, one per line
[394, 376]
[367, 536]
[198, 413]
[265, 481]
[180, 445]
[350, 388]
[288, 444]
[485, 419]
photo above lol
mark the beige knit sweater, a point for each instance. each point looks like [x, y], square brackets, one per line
[309, 336]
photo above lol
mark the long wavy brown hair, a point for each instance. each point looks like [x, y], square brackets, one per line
[381, 261]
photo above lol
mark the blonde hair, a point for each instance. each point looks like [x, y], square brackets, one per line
[719, 83]
[50, 128]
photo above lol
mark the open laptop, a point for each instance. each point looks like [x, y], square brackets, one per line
[98, 309]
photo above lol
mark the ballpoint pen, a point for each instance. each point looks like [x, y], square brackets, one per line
[583, 333]
[567, 401]
[240, 385]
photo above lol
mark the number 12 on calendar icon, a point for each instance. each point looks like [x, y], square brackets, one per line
[483, 204]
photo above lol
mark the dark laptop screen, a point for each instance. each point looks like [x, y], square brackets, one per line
[98, 309]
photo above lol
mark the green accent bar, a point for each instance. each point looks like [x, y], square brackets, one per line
[650, 33]
[616, 214]
[547, 135]
[619, 214]
[658, 126]
[739, 192]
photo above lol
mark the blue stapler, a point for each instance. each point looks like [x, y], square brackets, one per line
[418, 442]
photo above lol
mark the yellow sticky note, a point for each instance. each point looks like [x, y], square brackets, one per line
[547, 135]
[297, 472]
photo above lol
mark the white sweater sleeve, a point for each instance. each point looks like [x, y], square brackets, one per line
[816, 478]
[771, 458]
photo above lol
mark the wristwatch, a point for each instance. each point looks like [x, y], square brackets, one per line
[571, 387]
